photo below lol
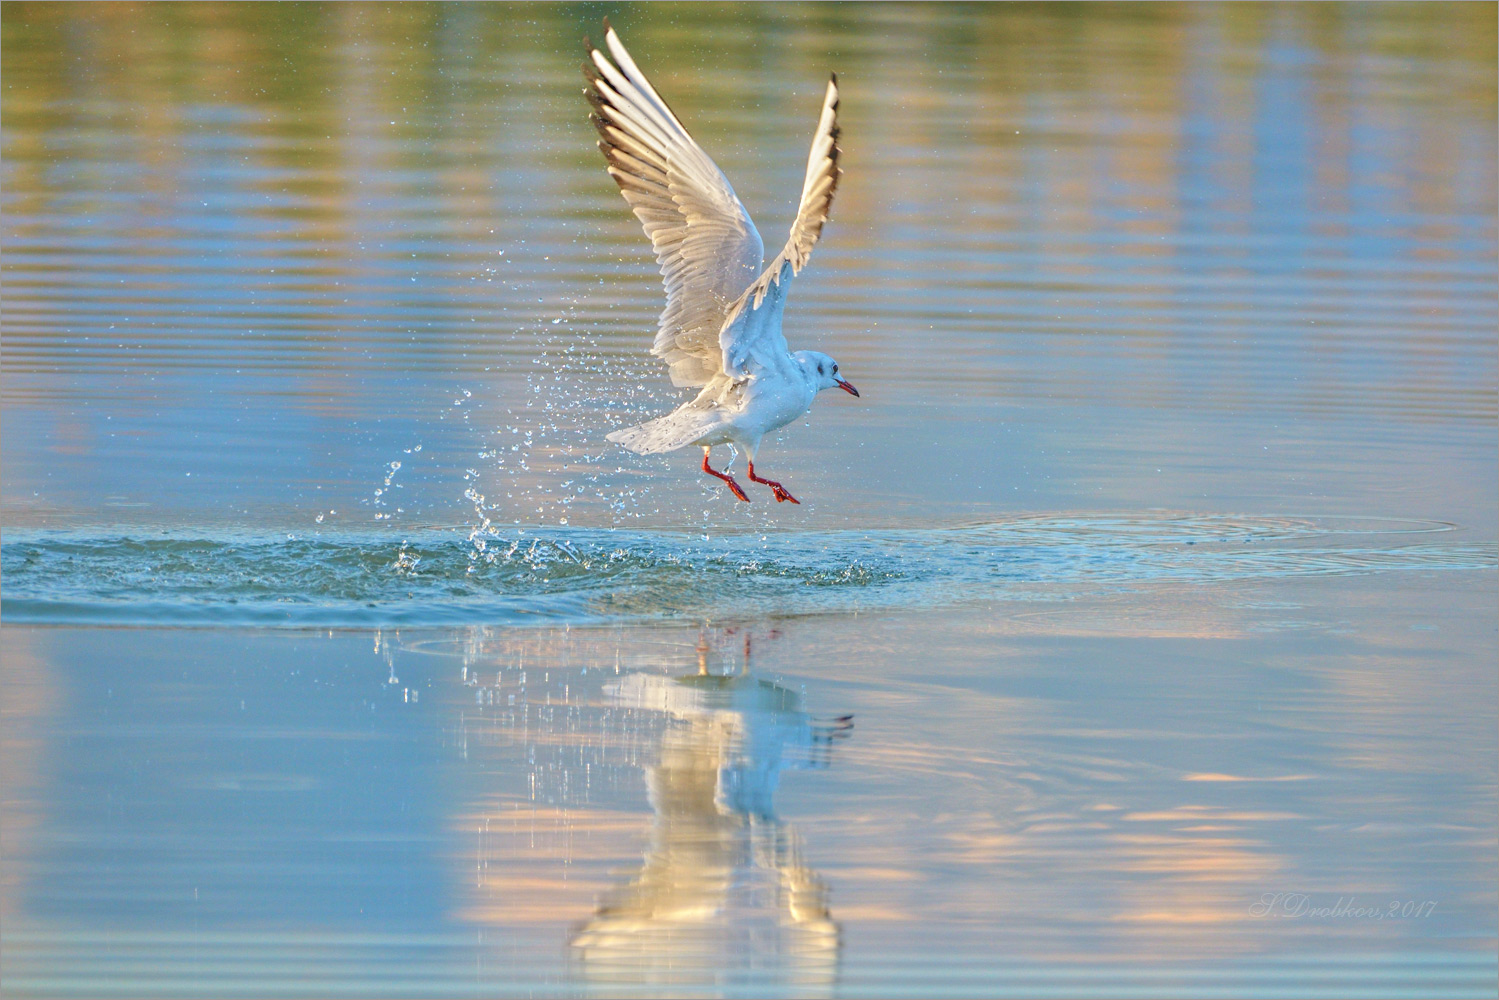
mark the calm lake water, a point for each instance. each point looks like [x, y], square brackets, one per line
[1135, 636]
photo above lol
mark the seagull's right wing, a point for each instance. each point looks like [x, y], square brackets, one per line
[708, 248]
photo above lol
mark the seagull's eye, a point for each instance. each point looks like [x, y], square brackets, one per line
[835, 369]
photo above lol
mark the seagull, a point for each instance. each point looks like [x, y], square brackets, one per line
[721, 329]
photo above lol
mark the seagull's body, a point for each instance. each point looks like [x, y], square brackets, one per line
[721, 330]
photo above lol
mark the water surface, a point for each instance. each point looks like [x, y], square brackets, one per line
[1134, 636]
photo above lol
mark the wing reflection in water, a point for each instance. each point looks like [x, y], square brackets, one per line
[724, 893]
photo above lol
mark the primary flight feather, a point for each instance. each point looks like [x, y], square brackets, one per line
[721, 329]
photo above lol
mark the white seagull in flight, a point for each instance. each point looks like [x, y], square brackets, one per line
[721, 329]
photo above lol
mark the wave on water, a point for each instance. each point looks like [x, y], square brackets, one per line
[437, 577]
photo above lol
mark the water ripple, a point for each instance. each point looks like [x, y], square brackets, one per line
[595, 575]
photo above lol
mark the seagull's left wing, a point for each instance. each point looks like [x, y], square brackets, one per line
[745, 333]
[707, 246]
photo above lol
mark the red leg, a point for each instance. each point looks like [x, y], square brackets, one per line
[726, 477]
[777, 488]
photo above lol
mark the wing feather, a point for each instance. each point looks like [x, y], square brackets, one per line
[705, 242]
[746, 334]
[821, 182]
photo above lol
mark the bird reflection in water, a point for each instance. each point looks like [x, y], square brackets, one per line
[724, 894]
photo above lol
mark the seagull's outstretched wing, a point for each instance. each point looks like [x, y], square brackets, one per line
[708, 248]
[747, 332]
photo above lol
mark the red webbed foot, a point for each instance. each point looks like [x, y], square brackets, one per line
[725, 477]
[775, 487]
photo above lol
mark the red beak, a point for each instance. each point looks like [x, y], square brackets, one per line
[848, 387]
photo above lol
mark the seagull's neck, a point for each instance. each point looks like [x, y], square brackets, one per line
[805, 369]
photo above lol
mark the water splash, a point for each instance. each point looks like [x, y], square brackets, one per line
[548, 452]
[596, 575]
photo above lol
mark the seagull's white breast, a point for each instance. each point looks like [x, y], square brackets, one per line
[773, 399]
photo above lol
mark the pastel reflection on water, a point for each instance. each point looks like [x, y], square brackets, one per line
[1157, 560]
[577, 733]
[724, 890]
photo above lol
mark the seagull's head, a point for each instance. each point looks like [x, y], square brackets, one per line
[823, 371]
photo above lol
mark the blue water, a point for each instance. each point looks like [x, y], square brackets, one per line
[596, 576]
[1153, 576]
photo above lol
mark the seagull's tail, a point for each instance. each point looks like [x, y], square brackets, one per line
[675, 430]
